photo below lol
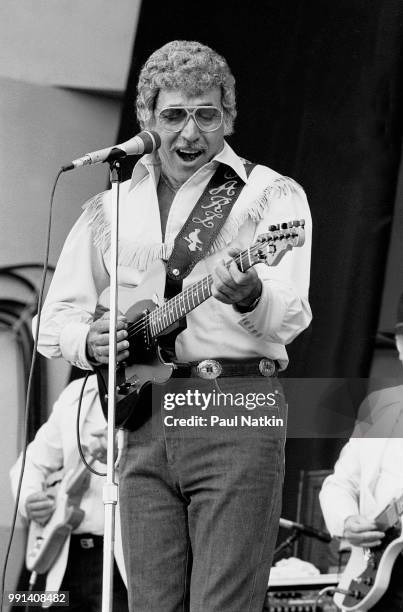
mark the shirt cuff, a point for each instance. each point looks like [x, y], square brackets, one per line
[73, 340]
[252, 320]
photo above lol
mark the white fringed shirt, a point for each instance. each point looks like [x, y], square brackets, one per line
[213, 329]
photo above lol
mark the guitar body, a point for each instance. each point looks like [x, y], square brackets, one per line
[368, 571]
[46, 542]
[145, 365]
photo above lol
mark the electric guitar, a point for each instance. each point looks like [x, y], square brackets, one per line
[367, 573]
[149, 321]
[46, 542]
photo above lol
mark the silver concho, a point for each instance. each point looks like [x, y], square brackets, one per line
[209, 369]
[267, 367]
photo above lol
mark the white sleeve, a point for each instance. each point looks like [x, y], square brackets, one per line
[44, 456]
[283, 311]
[339, 496]
[79, 278]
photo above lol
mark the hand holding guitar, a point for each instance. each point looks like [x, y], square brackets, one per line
[39, 507]
[361, 531]
[231, 286]
[98, 339]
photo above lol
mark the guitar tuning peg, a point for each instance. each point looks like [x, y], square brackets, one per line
[296, 223]
[274, 228]
[302, 222]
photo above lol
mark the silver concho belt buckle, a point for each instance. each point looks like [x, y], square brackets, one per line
[267, 367]
[209, 369]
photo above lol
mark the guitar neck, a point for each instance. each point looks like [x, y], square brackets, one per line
[390, 514]
[269, 248]
[190, 298]
[76, 480]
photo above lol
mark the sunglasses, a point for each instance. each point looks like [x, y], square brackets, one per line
[207, 118]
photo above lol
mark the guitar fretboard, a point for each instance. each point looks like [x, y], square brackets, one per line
[190, 298]
[278, 239]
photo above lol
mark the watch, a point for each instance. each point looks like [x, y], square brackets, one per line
[245, 309]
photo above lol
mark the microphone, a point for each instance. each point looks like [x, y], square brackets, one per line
[306, 530]
[144, 142]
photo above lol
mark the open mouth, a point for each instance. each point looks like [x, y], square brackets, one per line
[188, 156]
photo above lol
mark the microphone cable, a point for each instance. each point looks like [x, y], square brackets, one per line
[79, 446]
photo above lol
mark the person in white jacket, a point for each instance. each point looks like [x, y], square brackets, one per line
[368, 474]
[78, 568]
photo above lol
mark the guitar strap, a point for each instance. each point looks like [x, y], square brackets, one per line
[198, 233]
[209, 214]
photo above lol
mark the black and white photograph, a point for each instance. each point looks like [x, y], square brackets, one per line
[201, 306]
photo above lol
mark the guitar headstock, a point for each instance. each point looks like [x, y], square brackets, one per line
[271, 246]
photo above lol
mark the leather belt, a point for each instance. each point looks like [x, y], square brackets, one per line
[210, 369]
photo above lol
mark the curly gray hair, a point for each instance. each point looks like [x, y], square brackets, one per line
[191, 67]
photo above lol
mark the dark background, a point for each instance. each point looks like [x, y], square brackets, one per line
[319, 89]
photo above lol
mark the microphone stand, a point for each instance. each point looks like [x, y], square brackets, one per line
[298, 529]
[110, 488]
[286, 543]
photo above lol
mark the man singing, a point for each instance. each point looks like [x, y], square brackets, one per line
[199, 512]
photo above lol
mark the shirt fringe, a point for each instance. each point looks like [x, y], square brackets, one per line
[141, 255]
[281, 187]
[101, 229]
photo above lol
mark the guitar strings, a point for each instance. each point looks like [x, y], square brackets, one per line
[156, 316]
[177, 300]
[138, 326]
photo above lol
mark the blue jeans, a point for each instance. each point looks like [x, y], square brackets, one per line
[199, 517]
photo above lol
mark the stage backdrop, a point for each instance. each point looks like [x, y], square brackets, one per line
[319, 88]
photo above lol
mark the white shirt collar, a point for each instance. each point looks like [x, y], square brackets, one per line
[150, 165]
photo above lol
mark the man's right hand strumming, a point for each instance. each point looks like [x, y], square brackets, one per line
[98, 339]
